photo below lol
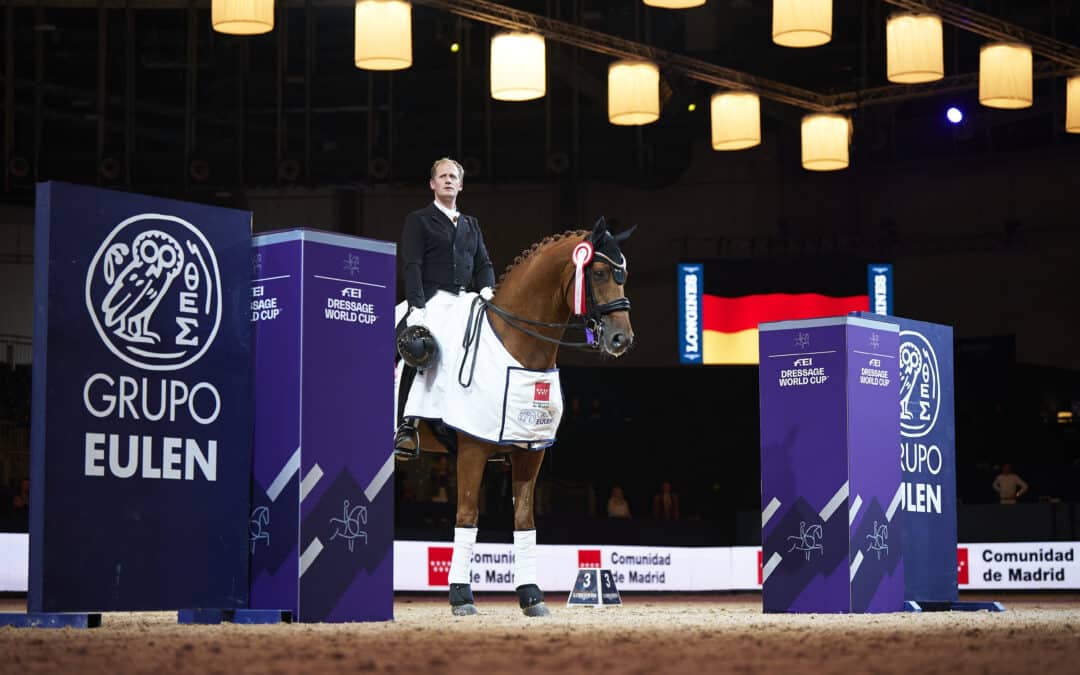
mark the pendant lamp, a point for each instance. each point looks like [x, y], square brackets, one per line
[383, 35]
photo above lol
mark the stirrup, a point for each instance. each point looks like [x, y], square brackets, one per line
[407, 442]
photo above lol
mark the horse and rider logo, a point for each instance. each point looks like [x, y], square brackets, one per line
[352, 264]
[802, 340]
[153, 291]
[920, 385]
[879, 539]
[258, 521]
[348, 526]
[808, 540]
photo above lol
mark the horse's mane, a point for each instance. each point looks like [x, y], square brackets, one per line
[532, 250]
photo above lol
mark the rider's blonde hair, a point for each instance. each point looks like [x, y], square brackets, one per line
[460, 169]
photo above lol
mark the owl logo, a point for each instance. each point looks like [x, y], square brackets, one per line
[920, 385]
[153, 291]
[154, 261]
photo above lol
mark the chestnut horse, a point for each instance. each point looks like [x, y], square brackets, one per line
[531, 310]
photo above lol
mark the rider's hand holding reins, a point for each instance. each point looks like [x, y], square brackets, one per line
[417, 317]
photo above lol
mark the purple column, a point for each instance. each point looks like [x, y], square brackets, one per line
[830, 480]
[322, 523]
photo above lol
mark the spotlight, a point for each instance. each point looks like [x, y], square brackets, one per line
[954, 115]
[692, 107]
[455, 47]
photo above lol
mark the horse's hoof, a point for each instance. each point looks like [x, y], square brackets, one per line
[539, 609]
[464, 610]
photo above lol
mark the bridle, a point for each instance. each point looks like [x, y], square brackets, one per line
[590, 324]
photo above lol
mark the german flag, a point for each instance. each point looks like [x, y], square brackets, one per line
[741, 294]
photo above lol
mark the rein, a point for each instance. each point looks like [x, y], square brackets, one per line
[590, 325]
[475, 324]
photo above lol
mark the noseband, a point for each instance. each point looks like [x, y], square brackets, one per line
[594, 312]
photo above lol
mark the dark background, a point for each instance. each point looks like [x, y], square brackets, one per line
[979, 220]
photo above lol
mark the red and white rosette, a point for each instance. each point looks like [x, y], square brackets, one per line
[582, 256]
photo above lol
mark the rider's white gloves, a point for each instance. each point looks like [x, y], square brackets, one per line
[417, 317]
[486, 293]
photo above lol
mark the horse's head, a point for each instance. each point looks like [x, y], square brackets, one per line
[607, 307]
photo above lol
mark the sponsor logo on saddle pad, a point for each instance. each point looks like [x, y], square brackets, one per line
[535, 418]
[542, 391]
[588, 558]
[438, 561]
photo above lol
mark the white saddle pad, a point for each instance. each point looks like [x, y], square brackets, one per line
[505, 403]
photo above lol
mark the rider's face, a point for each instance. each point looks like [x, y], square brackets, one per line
[447, 183]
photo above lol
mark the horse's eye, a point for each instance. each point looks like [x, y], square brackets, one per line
[600, 274]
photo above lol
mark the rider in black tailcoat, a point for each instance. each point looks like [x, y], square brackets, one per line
[443, 251]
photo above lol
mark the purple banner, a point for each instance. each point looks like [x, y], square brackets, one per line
[141, 445]
[829, 475]
[876, 549]
[927, 460]
[322, 523]
[276, 322]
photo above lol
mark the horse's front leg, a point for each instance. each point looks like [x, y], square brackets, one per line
[526, 467]
[471, 459]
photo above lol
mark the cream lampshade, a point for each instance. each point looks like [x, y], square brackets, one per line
[736, 120]
[242, 17]
[914, 48]
[801, 23]
[518, 69]
[633, 92]
[1005, 75]
[1072, 105]
[825, 140]
[674, 4]
[383, 35]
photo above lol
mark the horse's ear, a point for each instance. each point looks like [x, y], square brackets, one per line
[599, 228]
[625, 234]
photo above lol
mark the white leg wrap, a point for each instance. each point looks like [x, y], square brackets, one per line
[524, 557]
[464, 538]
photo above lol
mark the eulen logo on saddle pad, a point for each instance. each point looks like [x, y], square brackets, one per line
[438, 560]
[153, 291]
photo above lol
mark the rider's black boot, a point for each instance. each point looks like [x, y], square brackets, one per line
[407, 441]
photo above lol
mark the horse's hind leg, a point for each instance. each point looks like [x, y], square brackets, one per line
[526, 467]
[471, 460]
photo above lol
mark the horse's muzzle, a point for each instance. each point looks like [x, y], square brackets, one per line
[618, 343]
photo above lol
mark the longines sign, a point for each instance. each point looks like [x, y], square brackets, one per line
[142, 402]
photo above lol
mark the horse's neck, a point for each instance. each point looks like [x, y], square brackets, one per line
[535, 290]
